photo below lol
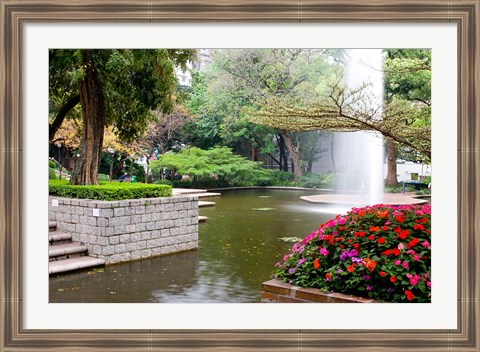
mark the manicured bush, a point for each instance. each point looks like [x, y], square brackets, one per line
[52, 164]
[381, 252]
[51, 174]
[109, 191]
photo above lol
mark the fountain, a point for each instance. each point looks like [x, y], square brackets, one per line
[359, 156]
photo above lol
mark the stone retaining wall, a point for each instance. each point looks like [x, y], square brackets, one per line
[126, 230]
[275, 291]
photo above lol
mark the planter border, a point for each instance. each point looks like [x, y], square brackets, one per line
[276, 291]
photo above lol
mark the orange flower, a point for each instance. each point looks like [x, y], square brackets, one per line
[374, 228]
[369, 264]
[316, 263]
[382, 213]
[350, 268]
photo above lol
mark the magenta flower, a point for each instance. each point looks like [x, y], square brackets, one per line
[405, 265]
[291, 270]
[397, 262]
[323, 251]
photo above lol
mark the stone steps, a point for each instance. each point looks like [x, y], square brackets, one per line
[66, 251]
[71, 264]
[55, 238]
[65, 255]
[202, 203]
[202, 218]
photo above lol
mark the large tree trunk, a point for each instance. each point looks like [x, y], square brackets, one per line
[294, 152]
[93, 115]
[391, 179]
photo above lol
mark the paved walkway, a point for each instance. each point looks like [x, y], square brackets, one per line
[357, 200]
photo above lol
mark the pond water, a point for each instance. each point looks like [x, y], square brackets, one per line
[238, 248]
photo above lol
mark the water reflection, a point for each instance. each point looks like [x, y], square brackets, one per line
[238, 247]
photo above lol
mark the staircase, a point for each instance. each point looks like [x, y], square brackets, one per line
[65, 255]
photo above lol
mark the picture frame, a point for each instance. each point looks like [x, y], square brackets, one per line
[15, 14]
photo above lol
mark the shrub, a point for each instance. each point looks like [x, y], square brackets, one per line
[311, 180]
[103, 177]
[51, 174]
[109, 191]
[52, 164]
[381, 252]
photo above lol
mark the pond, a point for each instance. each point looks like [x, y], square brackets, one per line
[238, 248]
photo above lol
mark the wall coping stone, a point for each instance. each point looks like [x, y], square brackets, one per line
[274, 291]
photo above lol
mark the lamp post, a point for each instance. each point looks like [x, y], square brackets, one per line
[59, 145]
[111, 151]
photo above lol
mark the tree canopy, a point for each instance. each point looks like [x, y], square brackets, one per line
[117, 88]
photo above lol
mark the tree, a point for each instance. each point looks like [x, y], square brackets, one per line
[218, 162]
[408, 77]
[115, 87]
[252, 77]
[345, 109]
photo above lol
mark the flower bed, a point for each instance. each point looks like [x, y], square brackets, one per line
[380, 252]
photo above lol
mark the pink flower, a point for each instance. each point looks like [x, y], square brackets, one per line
[425, 243]
[405, 265]
[413, 279]
[401, 246]
[429, 284]
[416, 257]
[323, 251]
[397, 262]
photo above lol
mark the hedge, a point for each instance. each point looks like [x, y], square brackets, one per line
[109, 191]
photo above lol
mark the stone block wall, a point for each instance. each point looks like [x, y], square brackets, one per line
[275, 291]
[126, 230]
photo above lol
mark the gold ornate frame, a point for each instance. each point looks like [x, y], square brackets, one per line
[16, 13]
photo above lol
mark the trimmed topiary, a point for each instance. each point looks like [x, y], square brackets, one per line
[109, 191]
[381, 252]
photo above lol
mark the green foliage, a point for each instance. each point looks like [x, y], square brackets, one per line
[109, 191]
[103, 177]
[311, 180]
[51, 174]
[52, 164]
[217, 163]
[380, 252]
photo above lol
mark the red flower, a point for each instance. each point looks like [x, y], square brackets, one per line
[418, 227]
[396, 252]
[384, 228]
[393, 279]
[371, 237]
[413, 242]
[341, 228]
[381, 240]
[424, 220]
[400, 219]
[355, 245]
[316, 263]
[409, 295]
[404, 234]
[397, 229]
[382, 273]
[359, 234]
[351, 268]
[328, 276]
[374, 229]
